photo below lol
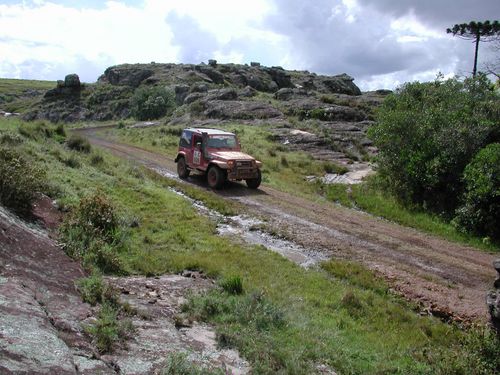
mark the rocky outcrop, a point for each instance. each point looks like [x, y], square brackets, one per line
[216, 91]
[70, 87]
[43, 319]
[41, 313]
[234, 109]
[130, 75]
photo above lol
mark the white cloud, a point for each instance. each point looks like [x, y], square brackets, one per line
[379, 42]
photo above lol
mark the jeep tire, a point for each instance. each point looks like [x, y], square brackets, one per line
[215, 177]
[182, 169]
[254, 183]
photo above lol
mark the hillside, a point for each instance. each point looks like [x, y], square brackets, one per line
[332, 108]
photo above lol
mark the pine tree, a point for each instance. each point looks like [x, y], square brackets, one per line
[476, 31]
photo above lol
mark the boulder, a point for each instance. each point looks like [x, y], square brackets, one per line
[200, 87]
[214, 75]
[248, 92]
[181, 92]
[72, 80]
[234, 109]
[222, 94]
[130, 75]
[288, 93]
[341, 84]
[280, 77]
[194, 96]
[70, 87]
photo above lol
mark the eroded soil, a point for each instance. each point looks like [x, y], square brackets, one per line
[447, 279]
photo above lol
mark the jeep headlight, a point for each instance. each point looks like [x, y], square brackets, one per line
[230, 164]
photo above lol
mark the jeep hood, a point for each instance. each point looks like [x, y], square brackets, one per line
[231, 155]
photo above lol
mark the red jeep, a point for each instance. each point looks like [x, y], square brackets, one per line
[217, 154]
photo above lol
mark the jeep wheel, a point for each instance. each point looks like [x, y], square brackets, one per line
[182, 169]
[215, 177]
[254, 183]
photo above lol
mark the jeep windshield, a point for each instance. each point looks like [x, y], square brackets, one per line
[223, 141]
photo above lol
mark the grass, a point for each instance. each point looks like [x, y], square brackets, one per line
[371, 198]
[285, 170]
[286, 319]
[179, 364]
[13, 93]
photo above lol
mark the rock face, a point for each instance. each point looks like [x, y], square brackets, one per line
[493, 299]
[234, 109]
[42, 316]
[40, 310]
[130, 75]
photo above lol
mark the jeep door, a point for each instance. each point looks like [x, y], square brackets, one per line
[196, 154]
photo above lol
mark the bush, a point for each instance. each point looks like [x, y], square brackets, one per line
[97, 211]
[20, 180]
[179, 364]
[480, 213]
[107, 329]
[92, 233]
[232, 285]
[150, 103]
[78, 143]
[428, 132]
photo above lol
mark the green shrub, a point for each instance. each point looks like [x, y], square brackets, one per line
[11, 139]
[179, 364]
[108, 330]
[329, 167]
[35, 130]
[96, 159]
[96, 210]
[72, 161]
[59, 130]
[480, 213]
[479, 354]
[232, 285]
[20, 180]
[78, 143]
[428, 132]
[92, 289]
[92, 233]
[150, 103]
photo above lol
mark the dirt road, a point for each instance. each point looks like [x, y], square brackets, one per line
[445, 278]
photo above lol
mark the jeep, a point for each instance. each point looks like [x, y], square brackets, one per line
[217, 154]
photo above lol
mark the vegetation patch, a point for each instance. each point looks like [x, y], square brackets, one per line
[20, 180]
[108, 330]
[92, 233]
[78, 143]
[286, 320]
[179, 364]
[427, 134]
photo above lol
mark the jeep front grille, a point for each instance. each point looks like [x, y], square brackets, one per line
[244, 163]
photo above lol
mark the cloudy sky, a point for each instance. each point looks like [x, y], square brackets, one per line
[381, 43]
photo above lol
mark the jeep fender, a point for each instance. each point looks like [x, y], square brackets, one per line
[180, 155]
[218, 163]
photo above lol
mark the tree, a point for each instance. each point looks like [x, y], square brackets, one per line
[476, 31]
[480, 212]
[427, 133]
[149, 103]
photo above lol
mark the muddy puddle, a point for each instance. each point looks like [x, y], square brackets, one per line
[249, 230]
